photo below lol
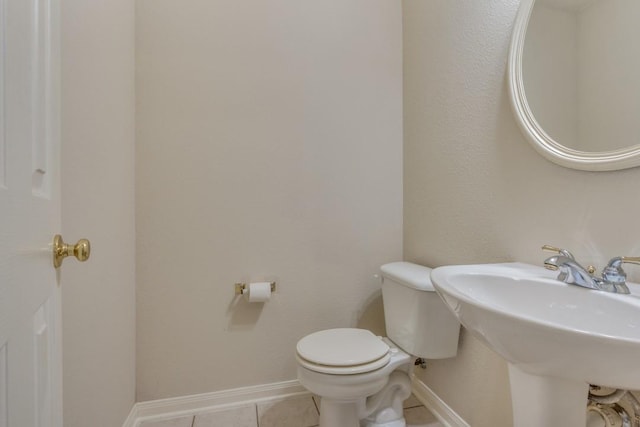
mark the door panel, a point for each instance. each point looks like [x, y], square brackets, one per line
[41, 92]
[30, 363]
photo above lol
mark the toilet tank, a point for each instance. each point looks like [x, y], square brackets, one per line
[417, 320]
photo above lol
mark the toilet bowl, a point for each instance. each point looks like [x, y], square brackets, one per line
[351, 389]
[362, 379]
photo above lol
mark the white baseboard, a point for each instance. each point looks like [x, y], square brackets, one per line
[132, 419]
[435, 405]
[188, 405]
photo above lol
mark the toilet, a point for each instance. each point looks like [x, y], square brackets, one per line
[362, 379]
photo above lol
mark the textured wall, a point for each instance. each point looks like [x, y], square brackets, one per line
[476, 192]
[269, 147]
[98, 297]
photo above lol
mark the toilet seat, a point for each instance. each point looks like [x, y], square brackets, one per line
[342, 351]
[344, 370]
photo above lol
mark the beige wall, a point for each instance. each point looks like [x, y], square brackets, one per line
[97, 196]
[269, 143]
[476, 192]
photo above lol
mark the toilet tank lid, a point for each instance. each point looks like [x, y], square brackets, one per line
[406, 273]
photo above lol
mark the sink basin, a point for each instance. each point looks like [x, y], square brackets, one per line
[557, 338]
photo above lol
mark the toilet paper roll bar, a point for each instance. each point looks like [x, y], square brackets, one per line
[241, 287]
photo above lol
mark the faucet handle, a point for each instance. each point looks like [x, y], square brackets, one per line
[560, 251]
[631, 259]
[615, 276]
[616, 262]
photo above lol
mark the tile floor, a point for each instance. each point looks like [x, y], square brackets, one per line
[291, 412]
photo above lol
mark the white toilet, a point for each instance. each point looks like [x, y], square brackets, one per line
[363, 379]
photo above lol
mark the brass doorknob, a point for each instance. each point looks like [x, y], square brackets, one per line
[61, 250]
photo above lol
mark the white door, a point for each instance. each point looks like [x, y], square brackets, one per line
[30, 342]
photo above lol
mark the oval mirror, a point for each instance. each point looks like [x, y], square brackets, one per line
[574, 80]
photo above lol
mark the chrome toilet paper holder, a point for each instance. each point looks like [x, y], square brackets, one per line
[241, 287]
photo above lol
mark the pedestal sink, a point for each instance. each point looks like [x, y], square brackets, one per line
[557, 338]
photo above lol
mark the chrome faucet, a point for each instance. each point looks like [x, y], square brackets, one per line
[573, 273]
[613, 276]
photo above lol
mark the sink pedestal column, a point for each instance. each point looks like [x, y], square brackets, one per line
[547, 401]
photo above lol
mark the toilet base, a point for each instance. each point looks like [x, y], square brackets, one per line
[396, 423]
[385, 408]
[338, 413]
[381, 409]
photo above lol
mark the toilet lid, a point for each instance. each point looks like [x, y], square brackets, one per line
[343, 347]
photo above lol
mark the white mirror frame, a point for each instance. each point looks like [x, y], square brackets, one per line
[545, 145]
